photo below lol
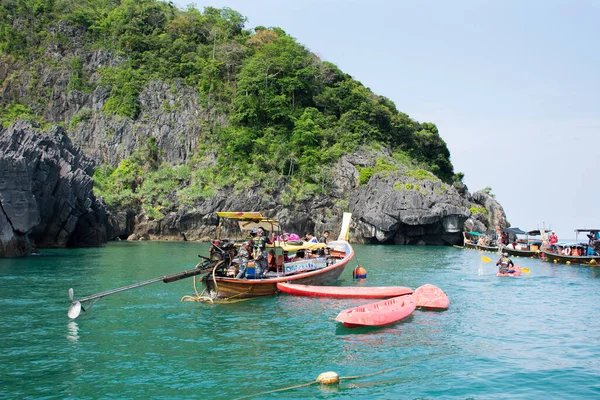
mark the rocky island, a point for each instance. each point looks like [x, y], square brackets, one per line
[144, 127]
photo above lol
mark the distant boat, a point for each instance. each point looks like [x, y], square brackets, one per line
[431, 297]
[356, 292]
[528, 247]
[575, 253]
[381, 313]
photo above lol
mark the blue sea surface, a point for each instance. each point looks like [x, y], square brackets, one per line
[531, 337]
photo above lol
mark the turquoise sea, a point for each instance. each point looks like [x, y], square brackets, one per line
[532, 337]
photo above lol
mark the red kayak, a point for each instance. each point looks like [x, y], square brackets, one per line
[516, 273]
[382, 313]
[345, 292]
[431, 297]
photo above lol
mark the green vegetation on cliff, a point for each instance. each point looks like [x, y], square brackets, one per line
[287, 113]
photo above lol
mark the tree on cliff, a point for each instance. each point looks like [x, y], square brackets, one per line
[278, 112]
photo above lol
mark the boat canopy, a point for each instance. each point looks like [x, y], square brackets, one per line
[587, 230]
[536, 232]
[286, 246]
[249, 220]
[515, 231]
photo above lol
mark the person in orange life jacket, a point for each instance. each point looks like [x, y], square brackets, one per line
[553, 239]
[504, 262]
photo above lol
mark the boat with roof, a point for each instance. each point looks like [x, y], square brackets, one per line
[524, 247]
[219, 272]
[576, 252]
[296, 262]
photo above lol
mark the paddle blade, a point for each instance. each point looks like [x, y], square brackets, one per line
[71, 294]
[526, 270]
[485, 259]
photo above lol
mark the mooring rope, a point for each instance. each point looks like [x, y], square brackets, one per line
[315, 382]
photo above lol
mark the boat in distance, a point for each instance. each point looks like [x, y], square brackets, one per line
[345, 292]
[430, 297]
[381, 313]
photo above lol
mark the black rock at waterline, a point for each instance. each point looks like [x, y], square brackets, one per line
[46, 197]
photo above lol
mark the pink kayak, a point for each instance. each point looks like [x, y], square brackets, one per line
[516, 273]
[345, 292]
[431, 297]
[382, 313]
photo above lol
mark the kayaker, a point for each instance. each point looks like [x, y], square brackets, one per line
[505, 264]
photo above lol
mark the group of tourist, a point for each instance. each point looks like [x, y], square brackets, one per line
[256, 248]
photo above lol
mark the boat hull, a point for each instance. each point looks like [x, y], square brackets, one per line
[430, 297]
[381, 313]
[345, 292]
[521, 253]
[493, 249]
[564, 259]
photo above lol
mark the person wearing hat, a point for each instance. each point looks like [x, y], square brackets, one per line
[505, 264]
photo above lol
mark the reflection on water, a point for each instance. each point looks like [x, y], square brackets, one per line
[72, 331]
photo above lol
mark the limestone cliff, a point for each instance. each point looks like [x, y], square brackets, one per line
[46, 197]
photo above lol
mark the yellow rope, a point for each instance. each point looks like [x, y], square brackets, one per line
[314, 382]
[276, 390]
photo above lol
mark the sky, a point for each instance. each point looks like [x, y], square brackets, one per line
[513, 87]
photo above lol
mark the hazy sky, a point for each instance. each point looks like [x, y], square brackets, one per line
[513, 86]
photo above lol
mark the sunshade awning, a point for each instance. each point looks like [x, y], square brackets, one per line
[515, 231]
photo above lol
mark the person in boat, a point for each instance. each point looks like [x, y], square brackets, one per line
[244, 256]
[259, 243]
[553, 239]
[324, 237]
[308, 237]
[323, 252]
[506, 266]
[299, 255]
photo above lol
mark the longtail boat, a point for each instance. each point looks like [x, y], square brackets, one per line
[323, 266]
[575, 253]
[219, 270]
[528, 247]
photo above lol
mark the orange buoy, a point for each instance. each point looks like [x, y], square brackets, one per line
[359, 273]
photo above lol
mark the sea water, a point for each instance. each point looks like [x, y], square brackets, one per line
[535, 336]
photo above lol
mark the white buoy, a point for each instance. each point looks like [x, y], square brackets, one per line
[328, 378]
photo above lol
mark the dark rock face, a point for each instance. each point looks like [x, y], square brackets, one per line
[46, 194]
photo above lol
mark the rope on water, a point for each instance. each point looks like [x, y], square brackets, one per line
[315, 382]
